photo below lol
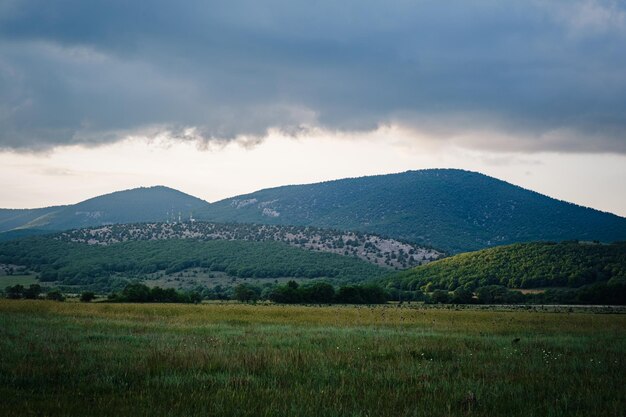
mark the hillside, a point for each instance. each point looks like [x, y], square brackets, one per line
[522, 265]
[74, 263]
[370, 248]
[19, 218]
[21, 233]
[453, 210]
[129, 206]
[450, 209]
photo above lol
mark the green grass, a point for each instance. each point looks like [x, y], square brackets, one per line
[73, 359]
[10, 280]
[191, 278]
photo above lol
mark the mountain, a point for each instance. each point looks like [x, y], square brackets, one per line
[450, 209]
[130, 206]
[20, 233]
[18, 218]
[521, 265]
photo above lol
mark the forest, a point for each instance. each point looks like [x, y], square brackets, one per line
[523, 266]
[107, 267]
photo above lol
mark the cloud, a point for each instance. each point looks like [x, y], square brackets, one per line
[590, 17]
[527, 76]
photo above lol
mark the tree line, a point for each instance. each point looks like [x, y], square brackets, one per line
[612, 292]
[318, 292]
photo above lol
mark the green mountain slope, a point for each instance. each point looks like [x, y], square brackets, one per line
[73, 263]
[521, 265]
[129, 206]
[450, 209]
[373, 249]
[19, 218]
[21, 233]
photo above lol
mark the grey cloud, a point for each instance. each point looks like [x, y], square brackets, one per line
[533, 75]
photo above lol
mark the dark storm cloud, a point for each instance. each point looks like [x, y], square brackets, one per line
[533, 75]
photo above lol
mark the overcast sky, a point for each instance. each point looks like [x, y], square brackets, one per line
[221, 98]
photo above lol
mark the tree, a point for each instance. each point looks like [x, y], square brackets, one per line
[319, 292]
[55, 295]
[373, 294]
[286, 294]
[87, 296]
[440, 297]
[246, 293]
[498, 294]
[350, 294]
[15, 292]
[194, 297]
[137, 293]
[32, 292]
[462, 296]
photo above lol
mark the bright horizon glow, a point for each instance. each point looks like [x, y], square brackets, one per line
[70, 174]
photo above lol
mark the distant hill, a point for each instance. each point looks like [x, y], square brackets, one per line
[137, 205]
[20, 218]
[373, 249]
[20, 233]
[450, 209]
[521, 265]
[57, 259]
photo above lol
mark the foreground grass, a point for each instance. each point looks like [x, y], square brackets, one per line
[75, 359]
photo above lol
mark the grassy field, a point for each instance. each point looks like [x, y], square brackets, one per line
[10, 280]
[191, 278]
[72, 359]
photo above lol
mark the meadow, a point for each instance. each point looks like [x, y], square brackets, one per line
[22, 279]
[76, 359]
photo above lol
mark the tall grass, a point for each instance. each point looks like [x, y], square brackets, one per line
[71, 359]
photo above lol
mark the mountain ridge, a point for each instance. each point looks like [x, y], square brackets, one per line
[460, 170]
[455, 210]
[452, 209]
[141, 204]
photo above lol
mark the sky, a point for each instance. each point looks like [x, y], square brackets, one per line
[222, 98]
